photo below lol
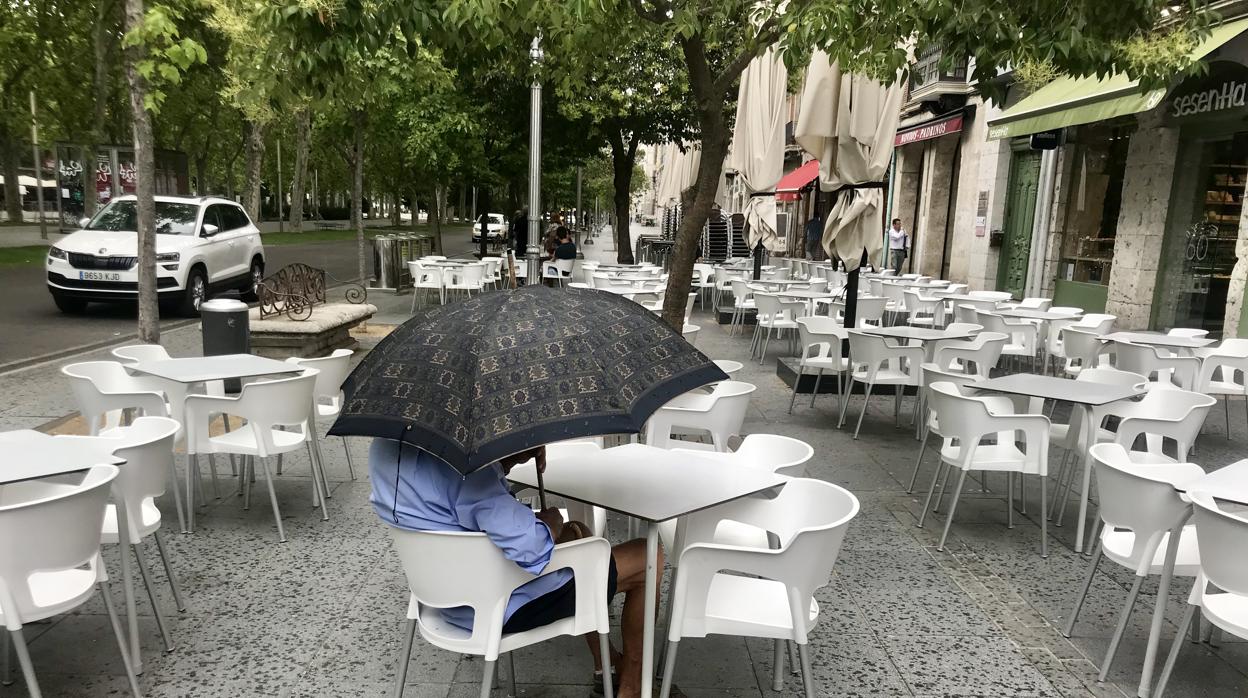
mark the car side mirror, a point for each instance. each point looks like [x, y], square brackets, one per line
[209, 230]
[84, 222]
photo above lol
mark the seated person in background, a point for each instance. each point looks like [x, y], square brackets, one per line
[416, 491]
[564, 247]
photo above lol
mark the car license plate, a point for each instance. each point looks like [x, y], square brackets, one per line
[99, 275]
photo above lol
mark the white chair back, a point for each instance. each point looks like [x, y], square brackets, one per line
[57, 528]
[983, 350]
[721, 413]
[1220, 535]
[1162, 414]
[331, 372]
[1097, 323]
[266, 405]
[1130, 500]
[135, 353]
[102, 389]
[776, 453]
[966, 420]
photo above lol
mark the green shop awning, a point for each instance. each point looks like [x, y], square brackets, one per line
[1071, 101]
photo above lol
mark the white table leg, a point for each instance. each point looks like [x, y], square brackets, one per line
[1089, 438]
[127, 586]
[652, 586]
[1159, 611]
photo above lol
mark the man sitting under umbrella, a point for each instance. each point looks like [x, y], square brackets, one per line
[416, 491]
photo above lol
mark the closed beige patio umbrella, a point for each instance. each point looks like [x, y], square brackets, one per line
[758, 145]
[848, 122]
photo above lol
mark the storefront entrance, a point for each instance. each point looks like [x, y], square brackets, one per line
[1199, 248]
[1020, 214]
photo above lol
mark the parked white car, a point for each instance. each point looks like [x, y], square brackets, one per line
[496, 228]
[204, 246]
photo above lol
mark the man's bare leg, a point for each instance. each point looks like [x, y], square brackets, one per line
[630, 565]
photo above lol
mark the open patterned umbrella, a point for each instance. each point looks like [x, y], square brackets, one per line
[477, 380]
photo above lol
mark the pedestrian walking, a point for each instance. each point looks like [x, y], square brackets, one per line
[898, 245]
[814, 234]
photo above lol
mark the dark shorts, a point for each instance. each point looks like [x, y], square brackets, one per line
[553, 606]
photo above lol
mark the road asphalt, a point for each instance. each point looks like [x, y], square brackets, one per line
[32, 329]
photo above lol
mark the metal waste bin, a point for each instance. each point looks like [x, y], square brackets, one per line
[406, 253]
[385, 263]
[226, 329]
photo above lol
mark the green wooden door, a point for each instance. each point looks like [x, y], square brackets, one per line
[1020, 214]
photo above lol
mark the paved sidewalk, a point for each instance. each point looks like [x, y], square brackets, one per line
[322, 614]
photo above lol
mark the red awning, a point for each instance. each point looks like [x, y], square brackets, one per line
[792, 183]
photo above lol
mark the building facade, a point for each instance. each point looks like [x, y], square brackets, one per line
[1098, 193]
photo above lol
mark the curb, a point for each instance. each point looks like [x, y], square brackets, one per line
[83, 348]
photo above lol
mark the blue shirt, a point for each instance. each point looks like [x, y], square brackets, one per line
[419, 492]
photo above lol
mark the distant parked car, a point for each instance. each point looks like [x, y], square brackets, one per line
[204, 245]
[496, 228]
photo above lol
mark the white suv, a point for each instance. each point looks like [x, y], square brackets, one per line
[495, 228]
[204, 245]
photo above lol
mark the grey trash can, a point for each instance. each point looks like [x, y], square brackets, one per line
[385, 263]
[226, 329]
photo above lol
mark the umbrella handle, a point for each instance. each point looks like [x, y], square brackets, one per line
[541, 490]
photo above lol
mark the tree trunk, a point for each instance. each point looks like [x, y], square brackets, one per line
[435, 215]
[145, 185]
[101, 41]
[623, 158]
[10, 153]
[714, 130]
[415, 211]
[396, 209]
[357, 192]
[254, 159]
[303, 141]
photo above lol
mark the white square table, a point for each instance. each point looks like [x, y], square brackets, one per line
[1034, 314]
[1084, 393]
[1228, 483]
[1158, 339]
[27, 454]
[203, 369]
[206, 369]
[652, 485]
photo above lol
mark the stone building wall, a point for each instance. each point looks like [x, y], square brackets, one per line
[1151, 165]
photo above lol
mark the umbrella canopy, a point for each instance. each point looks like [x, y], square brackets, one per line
[758, 144]
[679, 171]
[848, 122]
[494, 375]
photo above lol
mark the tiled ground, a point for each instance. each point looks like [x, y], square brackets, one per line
[321, 614]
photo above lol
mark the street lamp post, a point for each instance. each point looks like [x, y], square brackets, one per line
[533, 269]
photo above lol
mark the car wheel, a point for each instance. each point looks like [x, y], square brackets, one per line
[67, 305]
[195, 293]
[251, 293]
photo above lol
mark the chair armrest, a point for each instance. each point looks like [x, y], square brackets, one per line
[700, 562]
[589, 560]
[197, 414]
[690, 403]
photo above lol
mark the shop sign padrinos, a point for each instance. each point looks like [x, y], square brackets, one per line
[935, 129]
[1220, 93]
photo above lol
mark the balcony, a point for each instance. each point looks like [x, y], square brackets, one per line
[934, 75]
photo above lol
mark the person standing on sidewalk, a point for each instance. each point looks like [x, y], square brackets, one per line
[814, 234]
[898, 244]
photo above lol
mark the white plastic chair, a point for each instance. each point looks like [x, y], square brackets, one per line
[1023, 335]
[104, 390]
[877, 362]
[1187, 332]
[279, 420]
[775, 316]
[327, 396]
[1082, 349]
[1140, 510]
[466, 278]
[719, 413]
[425, 279]
[704, 281]
[981, 351]
[1164, 413]
[1035, 303]
[448, 569]
[821, 339]
[933, 373]
[809, 519]
[1224, 371]
[742, 302]
[964, 423]
[965, 312]
[1149, 361]
[146, 446]
[1220, 536]
[134, 353]
[924, 310]
[50, 558]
